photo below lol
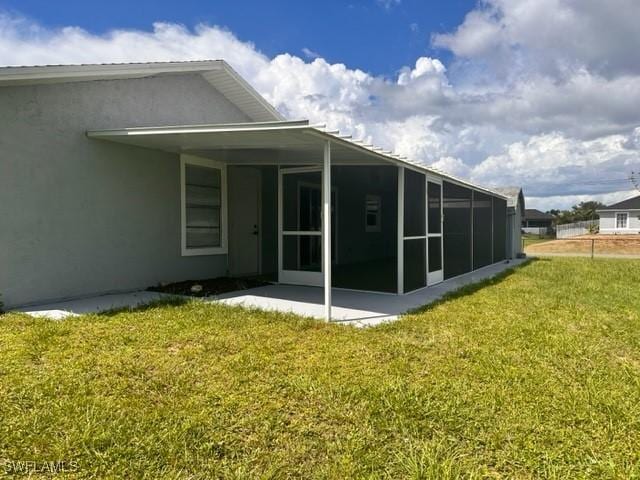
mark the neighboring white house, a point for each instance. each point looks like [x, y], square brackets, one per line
[122, 176]
[621, 218]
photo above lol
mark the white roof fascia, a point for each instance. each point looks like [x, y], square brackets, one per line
[217, 72]
[70, 73]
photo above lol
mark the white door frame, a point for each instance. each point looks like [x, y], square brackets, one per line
[295, 277]
[438, 275]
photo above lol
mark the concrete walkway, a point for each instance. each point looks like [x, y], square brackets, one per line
[349, 307]
[101, 303]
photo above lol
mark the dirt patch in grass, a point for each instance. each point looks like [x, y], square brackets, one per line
[210, 287]
[603, 245]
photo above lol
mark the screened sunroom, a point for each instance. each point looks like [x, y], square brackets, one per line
[300, 205]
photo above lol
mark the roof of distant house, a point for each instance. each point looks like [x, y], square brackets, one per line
[628, 204]
[533, 214]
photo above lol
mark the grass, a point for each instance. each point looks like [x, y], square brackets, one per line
[535, 375]
[581, 245]
[531, 239]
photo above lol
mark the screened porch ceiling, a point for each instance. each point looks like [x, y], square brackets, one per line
[275, 143]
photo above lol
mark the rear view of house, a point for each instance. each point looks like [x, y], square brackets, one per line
[119, 177]
[621, 218]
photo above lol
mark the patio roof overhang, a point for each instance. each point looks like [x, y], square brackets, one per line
[275, 143]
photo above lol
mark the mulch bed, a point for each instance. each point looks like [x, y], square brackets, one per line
[210, 287]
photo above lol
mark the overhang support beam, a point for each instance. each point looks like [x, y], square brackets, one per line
[326, 229]
[400, 230]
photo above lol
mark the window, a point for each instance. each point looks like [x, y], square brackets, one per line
[373, 213]
[622, 220]
[203, 206]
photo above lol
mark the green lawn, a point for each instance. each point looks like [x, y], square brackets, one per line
[535, 375]
[531, 239]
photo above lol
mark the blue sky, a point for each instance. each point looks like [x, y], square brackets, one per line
[375, 36]
[541, 94]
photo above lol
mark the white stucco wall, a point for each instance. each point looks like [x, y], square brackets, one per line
[81, 216]
[608, 222]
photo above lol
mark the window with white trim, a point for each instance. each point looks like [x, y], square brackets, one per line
[203, 206]
[622, 220]
[373, 212]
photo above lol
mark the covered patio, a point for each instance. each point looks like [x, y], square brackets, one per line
[360, 309]
[308, 208]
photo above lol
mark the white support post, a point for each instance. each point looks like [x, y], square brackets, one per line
[400, 230]
[326, 229]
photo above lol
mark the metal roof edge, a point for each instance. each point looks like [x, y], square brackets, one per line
[303, 125]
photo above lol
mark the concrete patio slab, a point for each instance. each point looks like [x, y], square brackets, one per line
[352, 307]
[349, 307]
[102, 303]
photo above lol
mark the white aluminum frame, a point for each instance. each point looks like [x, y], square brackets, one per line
[208, 163]
[436, 277]
[326, 228]
[294, 277]
[400, 260]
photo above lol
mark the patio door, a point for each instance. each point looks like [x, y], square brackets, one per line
[300, 226]
[434, 231]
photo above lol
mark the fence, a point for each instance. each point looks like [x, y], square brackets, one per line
[536, 230]
[623, 246]
[579, 228]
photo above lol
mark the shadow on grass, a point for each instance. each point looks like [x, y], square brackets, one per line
[172, 301]
[474, 287]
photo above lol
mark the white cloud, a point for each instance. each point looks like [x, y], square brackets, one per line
[553, 35]
[552, 163]
[512, 108]
[310, 54]
[388, 4]
[562, 202]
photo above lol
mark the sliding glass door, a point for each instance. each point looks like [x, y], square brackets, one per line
[300, 252]
[434, 231]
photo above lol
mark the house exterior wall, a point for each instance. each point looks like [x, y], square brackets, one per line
[514, 231]
[81, 216]
[517, 233]
[608, 222]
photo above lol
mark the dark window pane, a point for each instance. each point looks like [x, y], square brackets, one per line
[482, 241]
[414, 203]
[203, 202]
[373, 213]
[499, 229]
[435, 254]
[302, 201]
[202, 176]
[302, 253]
[203, 237]
[435, 220]
[414, 265]
[457, 229]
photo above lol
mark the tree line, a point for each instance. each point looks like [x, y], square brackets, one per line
[578, 213]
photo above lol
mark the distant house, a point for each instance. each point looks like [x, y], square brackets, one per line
[621, 218]
[515, 216]
[535, 221]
